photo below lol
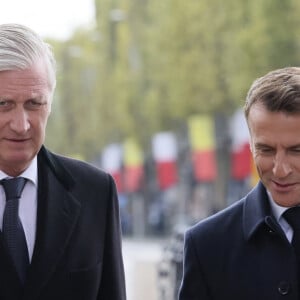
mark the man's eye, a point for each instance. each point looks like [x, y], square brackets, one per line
[3, 103]
[265, 150]
[296, 150]
[33, 104]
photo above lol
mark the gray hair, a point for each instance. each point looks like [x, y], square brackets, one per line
[21, 47]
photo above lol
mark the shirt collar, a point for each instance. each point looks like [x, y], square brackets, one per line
[277, 210]
[30, 173]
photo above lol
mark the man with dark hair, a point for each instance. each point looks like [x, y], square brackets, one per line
[251, 249]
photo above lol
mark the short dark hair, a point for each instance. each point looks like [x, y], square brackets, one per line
[278, 90]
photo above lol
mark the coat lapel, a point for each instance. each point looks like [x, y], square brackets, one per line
[12, 289]
[257, 212]
[58, 212]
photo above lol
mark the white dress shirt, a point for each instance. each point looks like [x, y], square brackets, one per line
[277, 211]
[27, 204]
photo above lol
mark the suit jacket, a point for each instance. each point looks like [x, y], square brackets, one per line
[240, 253]
[77, 253]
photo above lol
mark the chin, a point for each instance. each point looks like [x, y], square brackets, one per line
[288, 202]
[20, 159]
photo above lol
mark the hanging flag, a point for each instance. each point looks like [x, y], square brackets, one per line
[240, 150]
[112, 163]
[202, 141]
[133, 166]
[164, 148]
[254, 177]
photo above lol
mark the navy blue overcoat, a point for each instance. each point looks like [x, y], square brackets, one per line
[240, 253]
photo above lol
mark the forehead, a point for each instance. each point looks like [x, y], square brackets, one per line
[30, 82]
[273, 126]
[259, 113]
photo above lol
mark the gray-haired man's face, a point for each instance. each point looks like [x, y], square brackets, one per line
[25, 105]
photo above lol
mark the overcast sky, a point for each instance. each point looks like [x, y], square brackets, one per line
[49, 18]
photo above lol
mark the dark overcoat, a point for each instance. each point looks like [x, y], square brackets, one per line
[240, 253]
[77, 253]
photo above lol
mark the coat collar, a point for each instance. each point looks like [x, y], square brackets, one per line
[257, 212]
[58, 212]
[56, 167]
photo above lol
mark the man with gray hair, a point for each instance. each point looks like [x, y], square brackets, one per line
[251, 250]
[59, 217]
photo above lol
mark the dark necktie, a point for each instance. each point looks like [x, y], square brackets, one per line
[292, 215]
[13, 233]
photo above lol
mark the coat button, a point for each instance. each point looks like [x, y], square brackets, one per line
[284, 288]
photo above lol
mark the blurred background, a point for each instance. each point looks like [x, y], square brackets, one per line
[152, 92]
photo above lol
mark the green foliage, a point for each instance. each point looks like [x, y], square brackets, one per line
[149, 65]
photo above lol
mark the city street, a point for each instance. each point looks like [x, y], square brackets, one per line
[141, 260]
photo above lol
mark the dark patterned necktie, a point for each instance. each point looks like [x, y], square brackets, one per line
[292, 215]
[13, 233]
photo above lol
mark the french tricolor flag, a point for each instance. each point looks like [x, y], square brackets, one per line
[165, 153]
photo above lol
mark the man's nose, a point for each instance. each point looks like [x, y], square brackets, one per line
[281, 167]
[20, 122]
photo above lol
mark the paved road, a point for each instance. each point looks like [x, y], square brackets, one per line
[141, 259]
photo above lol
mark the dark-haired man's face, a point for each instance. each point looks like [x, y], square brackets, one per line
[275, 144]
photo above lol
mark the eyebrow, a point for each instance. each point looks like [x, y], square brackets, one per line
[262, 145]
[33, 96]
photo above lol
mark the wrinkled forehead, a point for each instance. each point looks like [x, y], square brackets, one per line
[32, 82]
